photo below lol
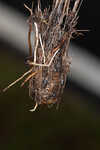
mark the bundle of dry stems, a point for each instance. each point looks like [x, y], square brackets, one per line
[48, 54]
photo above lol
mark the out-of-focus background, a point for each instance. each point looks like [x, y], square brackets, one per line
[76, 125]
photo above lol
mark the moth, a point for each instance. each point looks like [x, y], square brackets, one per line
[49, 61]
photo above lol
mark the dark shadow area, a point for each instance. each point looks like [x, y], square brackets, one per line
[75, 125]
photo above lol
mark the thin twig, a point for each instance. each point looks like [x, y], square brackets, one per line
[67, 7]
[44, 65]
[5, 89]
[30, 10]
[37, 41]
[42, 48]
[79, 6]
[53, 57]
[28, 78]
[57, 3]
[29, 40]
[36, 105]
[75, 6]
[39, 7]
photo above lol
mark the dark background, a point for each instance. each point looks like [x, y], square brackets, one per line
[89, 19]
[76, 125]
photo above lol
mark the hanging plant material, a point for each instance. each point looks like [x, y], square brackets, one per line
[48, 51]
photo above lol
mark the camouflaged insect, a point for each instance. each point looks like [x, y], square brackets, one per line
[48, 54]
